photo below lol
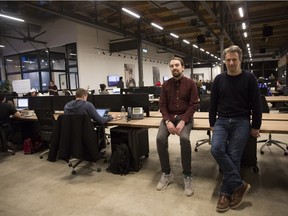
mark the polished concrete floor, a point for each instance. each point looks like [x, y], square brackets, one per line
[31, 186]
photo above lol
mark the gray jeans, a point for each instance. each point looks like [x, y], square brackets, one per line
[162, 148]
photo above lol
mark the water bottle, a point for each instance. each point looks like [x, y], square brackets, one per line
[123, 112]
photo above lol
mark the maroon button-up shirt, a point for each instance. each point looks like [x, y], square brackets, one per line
[178, 97]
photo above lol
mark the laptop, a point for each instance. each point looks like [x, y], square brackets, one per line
[103, 112]
[22, 104]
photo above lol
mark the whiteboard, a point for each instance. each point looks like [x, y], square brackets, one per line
[21, 86]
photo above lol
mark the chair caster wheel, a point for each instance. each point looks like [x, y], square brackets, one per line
[196, 150]
[70, 164]
[41, 157]
[261, 152]
[73, 172]
[98, 169]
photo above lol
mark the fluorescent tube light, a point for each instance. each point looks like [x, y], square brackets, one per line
[12, 18]
[245, 34]
[185, 41]
[194, 45]
[157, 26]
[2, 46]
[202, 49]
[131, 13]
[241, 13]
[243, 26]
[174, 35]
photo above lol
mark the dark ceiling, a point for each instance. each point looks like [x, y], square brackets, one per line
[203, 23]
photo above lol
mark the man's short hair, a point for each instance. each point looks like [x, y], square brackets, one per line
[80, 93]
[179, 59]
[233, 48]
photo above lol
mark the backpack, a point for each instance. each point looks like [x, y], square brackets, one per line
[120, 161]
[32, 145]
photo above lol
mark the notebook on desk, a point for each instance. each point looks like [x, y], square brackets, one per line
[22, 104]
[103, 112]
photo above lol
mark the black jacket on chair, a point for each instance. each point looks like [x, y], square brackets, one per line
[74, 136]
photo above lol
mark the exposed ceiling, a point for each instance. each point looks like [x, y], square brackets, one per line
[206, 20]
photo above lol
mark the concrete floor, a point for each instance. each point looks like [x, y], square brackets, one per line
[31, 186]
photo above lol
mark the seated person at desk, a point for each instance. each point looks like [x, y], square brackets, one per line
[33, 92]
[264, 90]
[103, 89]
[81, 106]
[7, 110]
[279, 87]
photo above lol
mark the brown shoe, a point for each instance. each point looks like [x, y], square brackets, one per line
[223, 203]
[238, 195]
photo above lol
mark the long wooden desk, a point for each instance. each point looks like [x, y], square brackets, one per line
[272, 122]
[268, 126]
[276, 98]
[205, 115]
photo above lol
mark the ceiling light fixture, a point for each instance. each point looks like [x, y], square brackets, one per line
[157, 26]
[245, 34]
[202, 50]
[174, 35]
[241, 13]
[12, 18]
[243, 25]
[194, 45]
[2, 46]
[185, 41]
[131, 13]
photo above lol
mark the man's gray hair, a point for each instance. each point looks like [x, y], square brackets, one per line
[233, 48]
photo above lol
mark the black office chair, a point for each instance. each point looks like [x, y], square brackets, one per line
[46, 120]
[3, 139]
[204, 107]
[76, 139]
[270, 141]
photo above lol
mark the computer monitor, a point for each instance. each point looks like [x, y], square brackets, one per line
[22, 103]
[113, 101]
[58, 102]
[40, 103]
[116, 90]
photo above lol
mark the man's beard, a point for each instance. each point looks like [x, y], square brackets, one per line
[176, 75]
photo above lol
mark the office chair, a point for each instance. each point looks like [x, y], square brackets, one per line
[270, 141]
[4, 140]
[77, 140]
[204, 107]
[46, 120]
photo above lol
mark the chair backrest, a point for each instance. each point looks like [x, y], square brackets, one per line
[78, 138]
[265, 107]
[204, 102]
[46, 120]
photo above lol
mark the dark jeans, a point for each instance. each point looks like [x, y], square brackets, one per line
[229, 138]
[162, 148]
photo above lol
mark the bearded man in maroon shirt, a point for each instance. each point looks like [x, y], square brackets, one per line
[178, 103]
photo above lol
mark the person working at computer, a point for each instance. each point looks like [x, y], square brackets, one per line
[234, 97]
[53, 90]
[6, 111]
[178, 103]
[103, 89]
[33, 92]
[81, 106]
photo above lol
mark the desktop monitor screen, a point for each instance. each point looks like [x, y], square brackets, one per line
[112, 101]
[112, 80]
[22, 103]
[116, 90]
